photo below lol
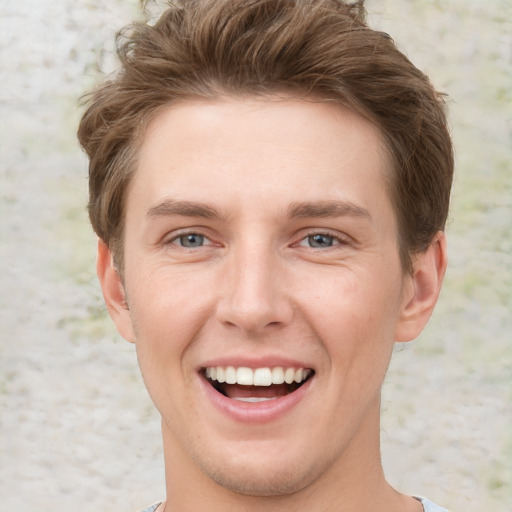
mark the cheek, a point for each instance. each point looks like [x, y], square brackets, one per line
[167, 300]
[168, 310]
[354, 314]
[164, 331]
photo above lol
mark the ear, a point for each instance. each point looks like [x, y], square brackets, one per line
[422, 289]
[113, 292]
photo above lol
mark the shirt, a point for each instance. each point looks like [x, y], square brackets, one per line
[428, 506]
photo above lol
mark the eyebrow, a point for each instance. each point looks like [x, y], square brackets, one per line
[327, 209]
[172, 207]
[318, 209]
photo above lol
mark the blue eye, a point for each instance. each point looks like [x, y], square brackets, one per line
[190, 240]
[320, 241]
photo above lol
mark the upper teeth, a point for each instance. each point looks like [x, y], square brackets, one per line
[257, 376]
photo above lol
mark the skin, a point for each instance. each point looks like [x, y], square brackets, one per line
[257, 178]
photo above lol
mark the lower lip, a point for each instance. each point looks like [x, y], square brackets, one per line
[255, 412]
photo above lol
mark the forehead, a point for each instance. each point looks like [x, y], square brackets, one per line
[243, 150]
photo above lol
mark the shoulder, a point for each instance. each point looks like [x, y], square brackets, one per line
[152, 508]
[428, 506]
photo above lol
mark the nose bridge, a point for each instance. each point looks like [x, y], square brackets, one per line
[254, 292]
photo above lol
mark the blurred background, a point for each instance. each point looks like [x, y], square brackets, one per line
[76, 427]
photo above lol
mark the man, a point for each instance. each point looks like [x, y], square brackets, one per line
[269, 181]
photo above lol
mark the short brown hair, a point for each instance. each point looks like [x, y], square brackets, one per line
[305, 48]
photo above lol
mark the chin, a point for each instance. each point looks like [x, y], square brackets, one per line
[249, 483]
[271, 477]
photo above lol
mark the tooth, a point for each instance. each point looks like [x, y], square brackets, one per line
[230, 375]
[277, 375]
[254, 399]
[262, 377]
[259, 377]
[244, 376]
[289, 375]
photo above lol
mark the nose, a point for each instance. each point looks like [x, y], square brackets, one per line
[253, 295]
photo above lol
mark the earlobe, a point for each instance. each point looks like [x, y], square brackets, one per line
[424, 286]
[113, 292]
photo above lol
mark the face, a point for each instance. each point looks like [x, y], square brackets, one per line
[263, 286]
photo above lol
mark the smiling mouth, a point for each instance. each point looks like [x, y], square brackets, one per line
[256, 384]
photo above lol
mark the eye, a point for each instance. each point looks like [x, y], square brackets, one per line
[320, 241]
[190, 240]
[323, 241]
